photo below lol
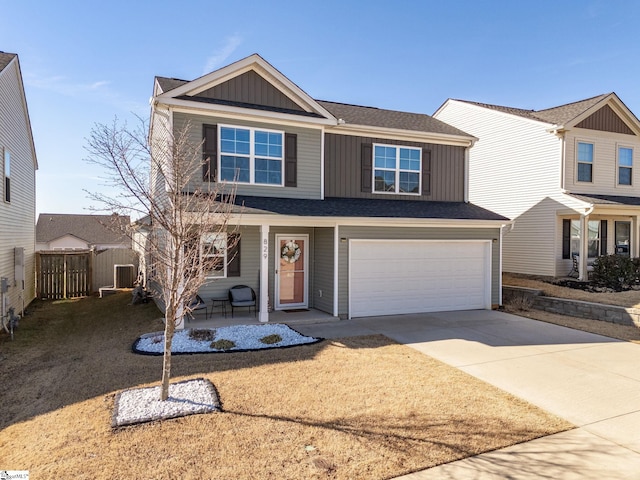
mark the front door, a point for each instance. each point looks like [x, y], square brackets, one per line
[291, 271]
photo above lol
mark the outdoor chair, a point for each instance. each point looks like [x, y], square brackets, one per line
[198, 304]
[575, 269]
[242, 296]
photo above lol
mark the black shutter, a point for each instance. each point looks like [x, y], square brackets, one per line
[366, 163]
[233, 255]
[209, 152]
[426, 172]
[603, 237]
[566, 238]
[290, 160]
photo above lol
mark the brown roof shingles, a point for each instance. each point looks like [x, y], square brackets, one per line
[93, 229]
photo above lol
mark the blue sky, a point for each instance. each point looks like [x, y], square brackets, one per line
[85, 62]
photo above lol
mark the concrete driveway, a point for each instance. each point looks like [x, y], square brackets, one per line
[587, 379]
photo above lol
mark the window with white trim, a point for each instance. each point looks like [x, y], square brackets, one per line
[7, 176]
[625, 165]
[213, 254]
[396, 169]
[251, 155]
[585, 161]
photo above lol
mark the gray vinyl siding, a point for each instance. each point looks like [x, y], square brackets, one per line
[308, 164]
[390, 233]
[249, 267]
[250, 88]
[343, 170]
[323, 269]
[17, 219]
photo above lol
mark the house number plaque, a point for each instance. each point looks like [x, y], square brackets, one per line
[265, 248]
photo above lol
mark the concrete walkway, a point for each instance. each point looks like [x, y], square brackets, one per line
[587, 379]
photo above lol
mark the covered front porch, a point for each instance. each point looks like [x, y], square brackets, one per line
[244, 317]
[609, 225]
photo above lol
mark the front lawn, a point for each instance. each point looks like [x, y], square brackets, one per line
[362, 407]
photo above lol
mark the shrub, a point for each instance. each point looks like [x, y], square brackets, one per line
[519, 303]
[618, 272]
[223, 344]
[202, 334]
[271, 339]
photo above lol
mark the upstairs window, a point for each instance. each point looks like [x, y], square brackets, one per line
[250, 155]
[585, 162]
[396, 169]
[625, 165]
[7, 176]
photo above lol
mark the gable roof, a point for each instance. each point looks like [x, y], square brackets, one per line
[5, 59]
[339, 114]
[570, 114]
[93, 229]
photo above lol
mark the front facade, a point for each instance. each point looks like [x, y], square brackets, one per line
[18, 165]
[556, 173]
[354, 211]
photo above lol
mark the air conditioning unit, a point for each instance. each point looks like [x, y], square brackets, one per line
[124, 276]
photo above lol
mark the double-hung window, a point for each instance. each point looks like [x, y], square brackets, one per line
[396, 169]
[585, 162]
[251, 155]
[7, 176]
[213, 255]
[625, 165]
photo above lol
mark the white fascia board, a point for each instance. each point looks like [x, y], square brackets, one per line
[186, 106]
[617, 106]
[285, 220]
[407, 135]
[261, 66]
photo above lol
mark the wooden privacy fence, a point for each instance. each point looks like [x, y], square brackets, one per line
[78, 274]
[63, 275]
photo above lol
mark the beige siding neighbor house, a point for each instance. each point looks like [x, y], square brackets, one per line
[355, 211]
[18, 165]
[567, 176]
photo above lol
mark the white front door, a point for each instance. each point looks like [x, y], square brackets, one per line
[292, 263]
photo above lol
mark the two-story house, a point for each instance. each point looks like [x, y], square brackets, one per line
[18, 165]
[351, 210]
[566, 176]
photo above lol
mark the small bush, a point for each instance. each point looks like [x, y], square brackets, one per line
[157, 339]
[223, 344]
[519, 303]
[271, 339]
[202, 334]
[617, 272]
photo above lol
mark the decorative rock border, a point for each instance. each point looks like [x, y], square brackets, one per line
[575, 308]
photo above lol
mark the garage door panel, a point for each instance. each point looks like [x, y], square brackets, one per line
[396, 276]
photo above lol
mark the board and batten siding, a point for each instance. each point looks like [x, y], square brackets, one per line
[253, 89]
[343, 169]
[394, 233]
[515, 170]
[323, 269]
[605, 162]
[17, 219]
[308, 150]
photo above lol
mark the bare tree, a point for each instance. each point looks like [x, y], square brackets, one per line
[184, 221]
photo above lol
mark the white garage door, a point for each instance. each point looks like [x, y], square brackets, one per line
[389, 277]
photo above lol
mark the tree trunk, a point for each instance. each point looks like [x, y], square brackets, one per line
[169, 328]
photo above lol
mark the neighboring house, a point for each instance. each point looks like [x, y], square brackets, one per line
[56, 231]
[18, 165]
[351, 210]
[566, 175]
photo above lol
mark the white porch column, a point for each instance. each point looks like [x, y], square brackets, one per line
[264, 273]
[584, 247]
[634, 241]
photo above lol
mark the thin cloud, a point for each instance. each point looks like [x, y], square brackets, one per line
[219, 57]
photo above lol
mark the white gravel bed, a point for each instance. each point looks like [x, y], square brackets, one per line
[185, 398]
[245, 337]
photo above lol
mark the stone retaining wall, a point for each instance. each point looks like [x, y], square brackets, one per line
[574, 308]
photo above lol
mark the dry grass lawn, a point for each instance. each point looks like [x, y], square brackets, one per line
[626, 299]
[362, 407]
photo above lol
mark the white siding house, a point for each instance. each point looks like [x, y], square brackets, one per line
[525, 166]
[18, 165]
